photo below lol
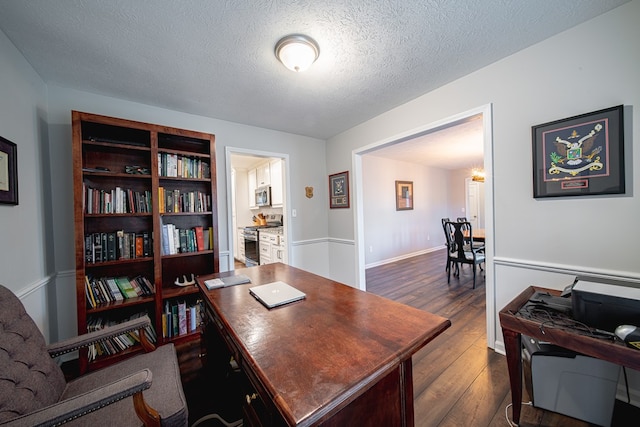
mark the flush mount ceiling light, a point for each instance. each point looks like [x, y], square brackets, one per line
[297, 52]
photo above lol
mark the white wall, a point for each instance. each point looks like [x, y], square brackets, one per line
[587, 68]
[390, 234]
[26, 255]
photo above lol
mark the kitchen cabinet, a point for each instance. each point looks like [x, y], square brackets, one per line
[251, 180]
[273, 246]
[279, 251]
[263, 175]
[277, 193]
[265, 247]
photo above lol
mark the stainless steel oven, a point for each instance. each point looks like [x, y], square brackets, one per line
[251, 247]
[251, 241]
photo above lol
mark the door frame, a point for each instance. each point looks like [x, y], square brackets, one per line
[286, 210]
[487, 120]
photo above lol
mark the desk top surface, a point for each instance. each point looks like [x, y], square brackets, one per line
[317, 353]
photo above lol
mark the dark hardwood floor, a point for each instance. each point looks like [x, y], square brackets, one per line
[458, 380]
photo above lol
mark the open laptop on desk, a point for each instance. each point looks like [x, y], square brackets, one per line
[275, 294]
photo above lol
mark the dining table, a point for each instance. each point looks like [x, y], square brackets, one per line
[478, 234]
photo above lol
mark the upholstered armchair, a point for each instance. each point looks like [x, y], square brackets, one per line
[143, 389]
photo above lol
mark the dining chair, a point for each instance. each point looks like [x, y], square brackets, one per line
[448, 236]
[461, 250]
[144, 389]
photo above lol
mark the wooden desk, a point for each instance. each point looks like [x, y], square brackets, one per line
[340, 357]
[513, 326]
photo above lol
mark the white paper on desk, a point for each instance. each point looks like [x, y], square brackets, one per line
[214, 283]
[238, 279]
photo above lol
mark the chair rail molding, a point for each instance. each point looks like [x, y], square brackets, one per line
[566, 269]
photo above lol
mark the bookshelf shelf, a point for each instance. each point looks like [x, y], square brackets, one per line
[120, 304]
[187, 254]
[112, 156]
[184, 213]
[115, 146]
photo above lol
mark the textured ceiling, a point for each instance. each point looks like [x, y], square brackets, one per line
[215, 58]
[456, 146]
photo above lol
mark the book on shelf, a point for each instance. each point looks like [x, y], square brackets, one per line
[125, 286]
[199, 232]
[117, 245]
[180, 318]
[185, 240]
[103, 290]
[116, 201]
[119, 343]
[173, 165]
[176, 200]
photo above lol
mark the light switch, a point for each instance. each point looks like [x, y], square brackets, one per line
[294, 213]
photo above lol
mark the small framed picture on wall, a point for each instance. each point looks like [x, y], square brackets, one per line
[8, 172]
[404, 195]
[339, 190]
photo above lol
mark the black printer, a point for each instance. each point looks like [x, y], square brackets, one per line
[605, 304]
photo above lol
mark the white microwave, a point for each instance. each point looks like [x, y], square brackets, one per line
[263, 196]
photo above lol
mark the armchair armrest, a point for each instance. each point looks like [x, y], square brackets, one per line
[69, 409]
[75, 343]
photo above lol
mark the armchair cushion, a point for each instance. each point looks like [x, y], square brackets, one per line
[29, 378]
[166, 395]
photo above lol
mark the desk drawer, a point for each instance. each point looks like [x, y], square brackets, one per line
[254, 406]
[214, 321]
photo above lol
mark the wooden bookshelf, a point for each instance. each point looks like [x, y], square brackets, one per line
[113, 153]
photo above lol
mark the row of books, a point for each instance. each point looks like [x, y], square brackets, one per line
[103, 290]
[174, 165]
[117, 344]
[116, 201]
[183, 240]
[116, 245]
[170, 201]
[181, 318]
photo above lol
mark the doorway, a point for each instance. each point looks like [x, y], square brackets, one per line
[240, 163]
[474, 196]
[357, 158]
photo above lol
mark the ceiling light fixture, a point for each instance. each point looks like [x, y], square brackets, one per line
[297, 52]
[477, 175]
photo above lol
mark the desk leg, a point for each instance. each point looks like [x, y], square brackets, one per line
[512, 346]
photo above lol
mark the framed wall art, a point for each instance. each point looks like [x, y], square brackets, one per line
[404, 195]
[579, 156]
[8, 172]
[339, 190]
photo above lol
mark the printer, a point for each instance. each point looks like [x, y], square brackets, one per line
[605, 304]
[569, 383]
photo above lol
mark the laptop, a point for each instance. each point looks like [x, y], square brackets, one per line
[275, 294]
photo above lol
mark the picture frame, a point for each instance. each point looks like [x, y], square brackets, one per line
[8, 172]
[339, 190]
[404, 195]
[580, 156]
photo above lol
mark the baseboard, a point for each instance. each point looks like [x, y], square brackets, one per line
[401, 257]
